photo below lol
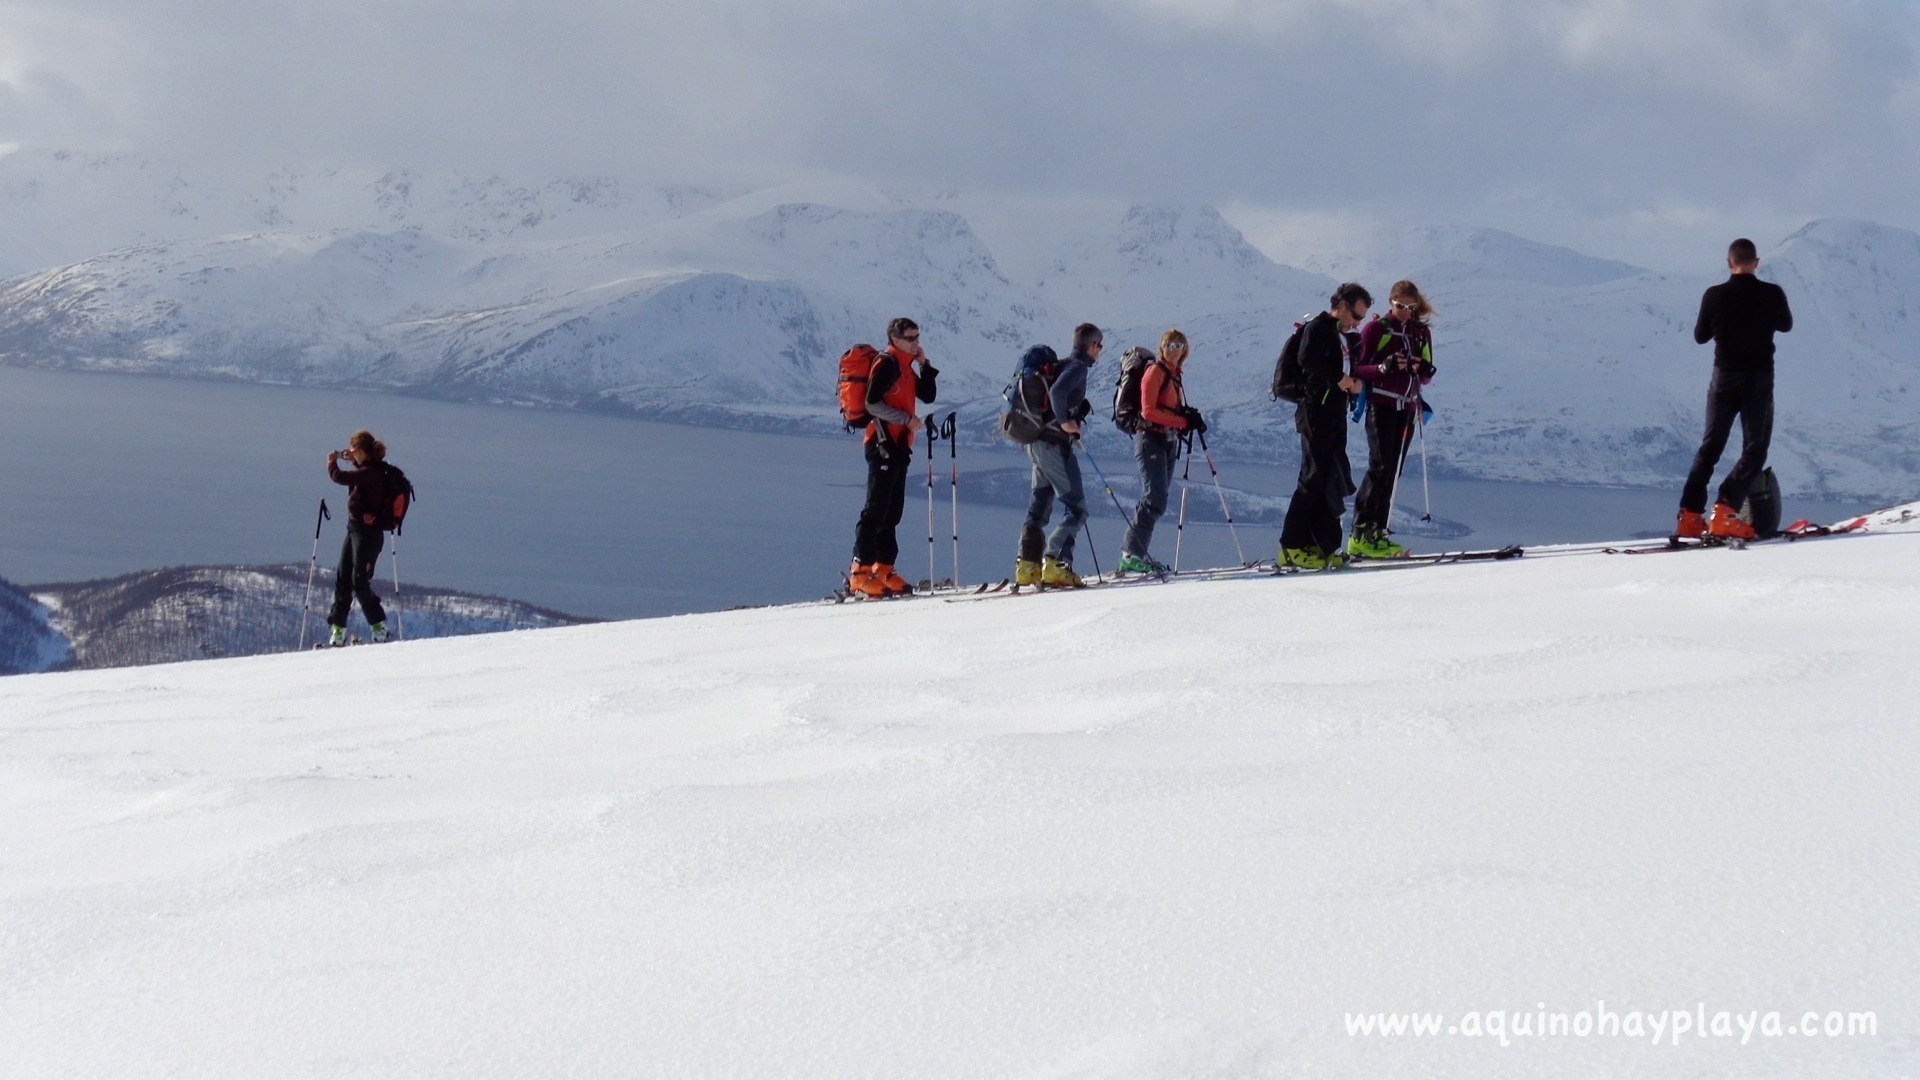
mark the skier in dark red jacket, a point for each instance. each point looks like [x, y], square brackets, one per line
[368, 502]
[1396, 359]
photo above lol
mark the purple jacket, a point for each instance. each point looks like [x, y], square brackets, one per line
[1384, 343]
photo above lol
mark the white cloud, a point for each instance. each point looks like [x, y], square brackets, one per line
[1500, 111]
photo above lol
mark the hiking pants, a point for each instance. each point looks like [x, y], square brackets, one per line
[1154, 453]
[1389, 437]
[354, 577]
[1056, 473]
[1749, 396]
[1313, 515]
[874, 538]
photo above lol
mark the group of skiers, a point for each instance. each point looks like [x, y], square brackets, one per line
[1388, 360]
[1338, 363]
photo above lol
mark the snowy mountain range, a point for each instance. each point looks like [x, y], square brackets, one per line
[730, 308]
[203, 612]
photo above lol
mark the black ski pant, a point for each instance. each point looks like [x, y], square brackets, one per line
[874, 538]
[354, 577]
[1320, 498]
[1389, 437]
[1749, 396]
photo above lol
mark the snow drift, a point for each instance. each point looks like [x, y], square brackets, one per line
[1184, 830]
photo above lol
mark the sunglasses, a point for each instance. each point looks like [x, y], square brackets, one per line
[910, 337]
[1398, 306]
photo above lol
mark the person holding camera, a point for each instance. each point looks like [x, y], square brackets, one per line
[369, 500]
[1056, 473]
[1396, 360]
[1165, 417]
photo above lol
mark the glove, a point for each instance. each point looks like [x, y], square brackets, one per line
[1081, 411]
[1391, 364]
[1195, 422]
[1424, 369]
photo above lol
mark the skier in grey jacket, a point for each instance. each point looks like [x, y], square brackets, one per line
[1056, 474]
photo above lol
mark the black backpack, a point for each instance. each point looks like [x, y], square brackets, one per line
[1289, 379]
[1126, 389]
[1025, 421]
[1762, 506]
[399, 499]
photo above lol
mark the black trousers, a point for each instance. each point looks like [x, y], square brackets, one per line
[1749, 396]
[874, 538]
[354, 577]
[1313, 516]
[1388, 440]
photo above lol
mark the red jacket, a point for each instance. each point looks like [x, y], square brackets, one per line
[1160, 395]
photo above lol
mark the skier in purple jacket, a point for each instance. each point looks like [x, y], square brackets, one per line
[1396, 359]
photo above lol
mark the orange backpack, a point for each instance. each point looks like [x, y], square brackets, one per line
[856, 366]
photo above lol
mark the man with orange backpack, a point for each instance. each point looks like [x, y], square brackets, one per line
[894, 390]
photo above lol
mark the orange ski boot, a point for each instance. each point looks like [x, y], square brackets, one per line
[1691, 526]
[861, 580]
[1726, 524]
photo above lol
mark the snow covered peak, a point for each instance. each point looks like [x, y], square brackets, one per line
[1452, 253]
[1171, 264]
[1376, 255]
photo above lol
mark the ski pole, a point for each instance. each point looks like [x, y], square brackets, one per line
[1224, 508]
[313, 562]
[1103, 482]
[1399, 468]
[952, 431]
[1420, 417]
[399, 616]
[933, 436]
[1186, 473]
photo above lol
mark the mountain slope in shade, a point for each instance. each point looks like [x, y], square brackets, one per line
[204, 612]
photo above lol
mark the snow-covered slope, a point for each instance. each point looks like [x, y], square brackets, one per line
[1169, 831]
[732, 308]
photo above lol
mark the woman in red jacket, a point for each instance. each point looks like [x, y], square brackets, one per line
[1164, 416]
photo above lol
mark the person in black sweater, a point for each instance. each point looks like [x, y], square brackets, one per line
[1740, 316]
[367, 498]
[1310, 537]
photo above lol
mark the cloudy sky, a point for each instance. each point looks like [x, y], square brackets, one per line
[1626, 127]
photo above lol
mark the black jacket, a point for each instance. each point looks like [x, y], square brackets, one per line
[1740, 316]
[368, 491]
[1322, 362]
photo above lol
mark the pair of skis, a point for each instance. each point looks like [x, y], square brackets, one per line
[1799, 530]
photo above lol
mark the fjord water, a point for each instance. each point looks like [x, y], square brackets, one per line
[590, 514]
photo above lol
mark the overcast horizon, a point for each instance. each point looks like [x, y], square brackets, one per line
[1621, 128]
